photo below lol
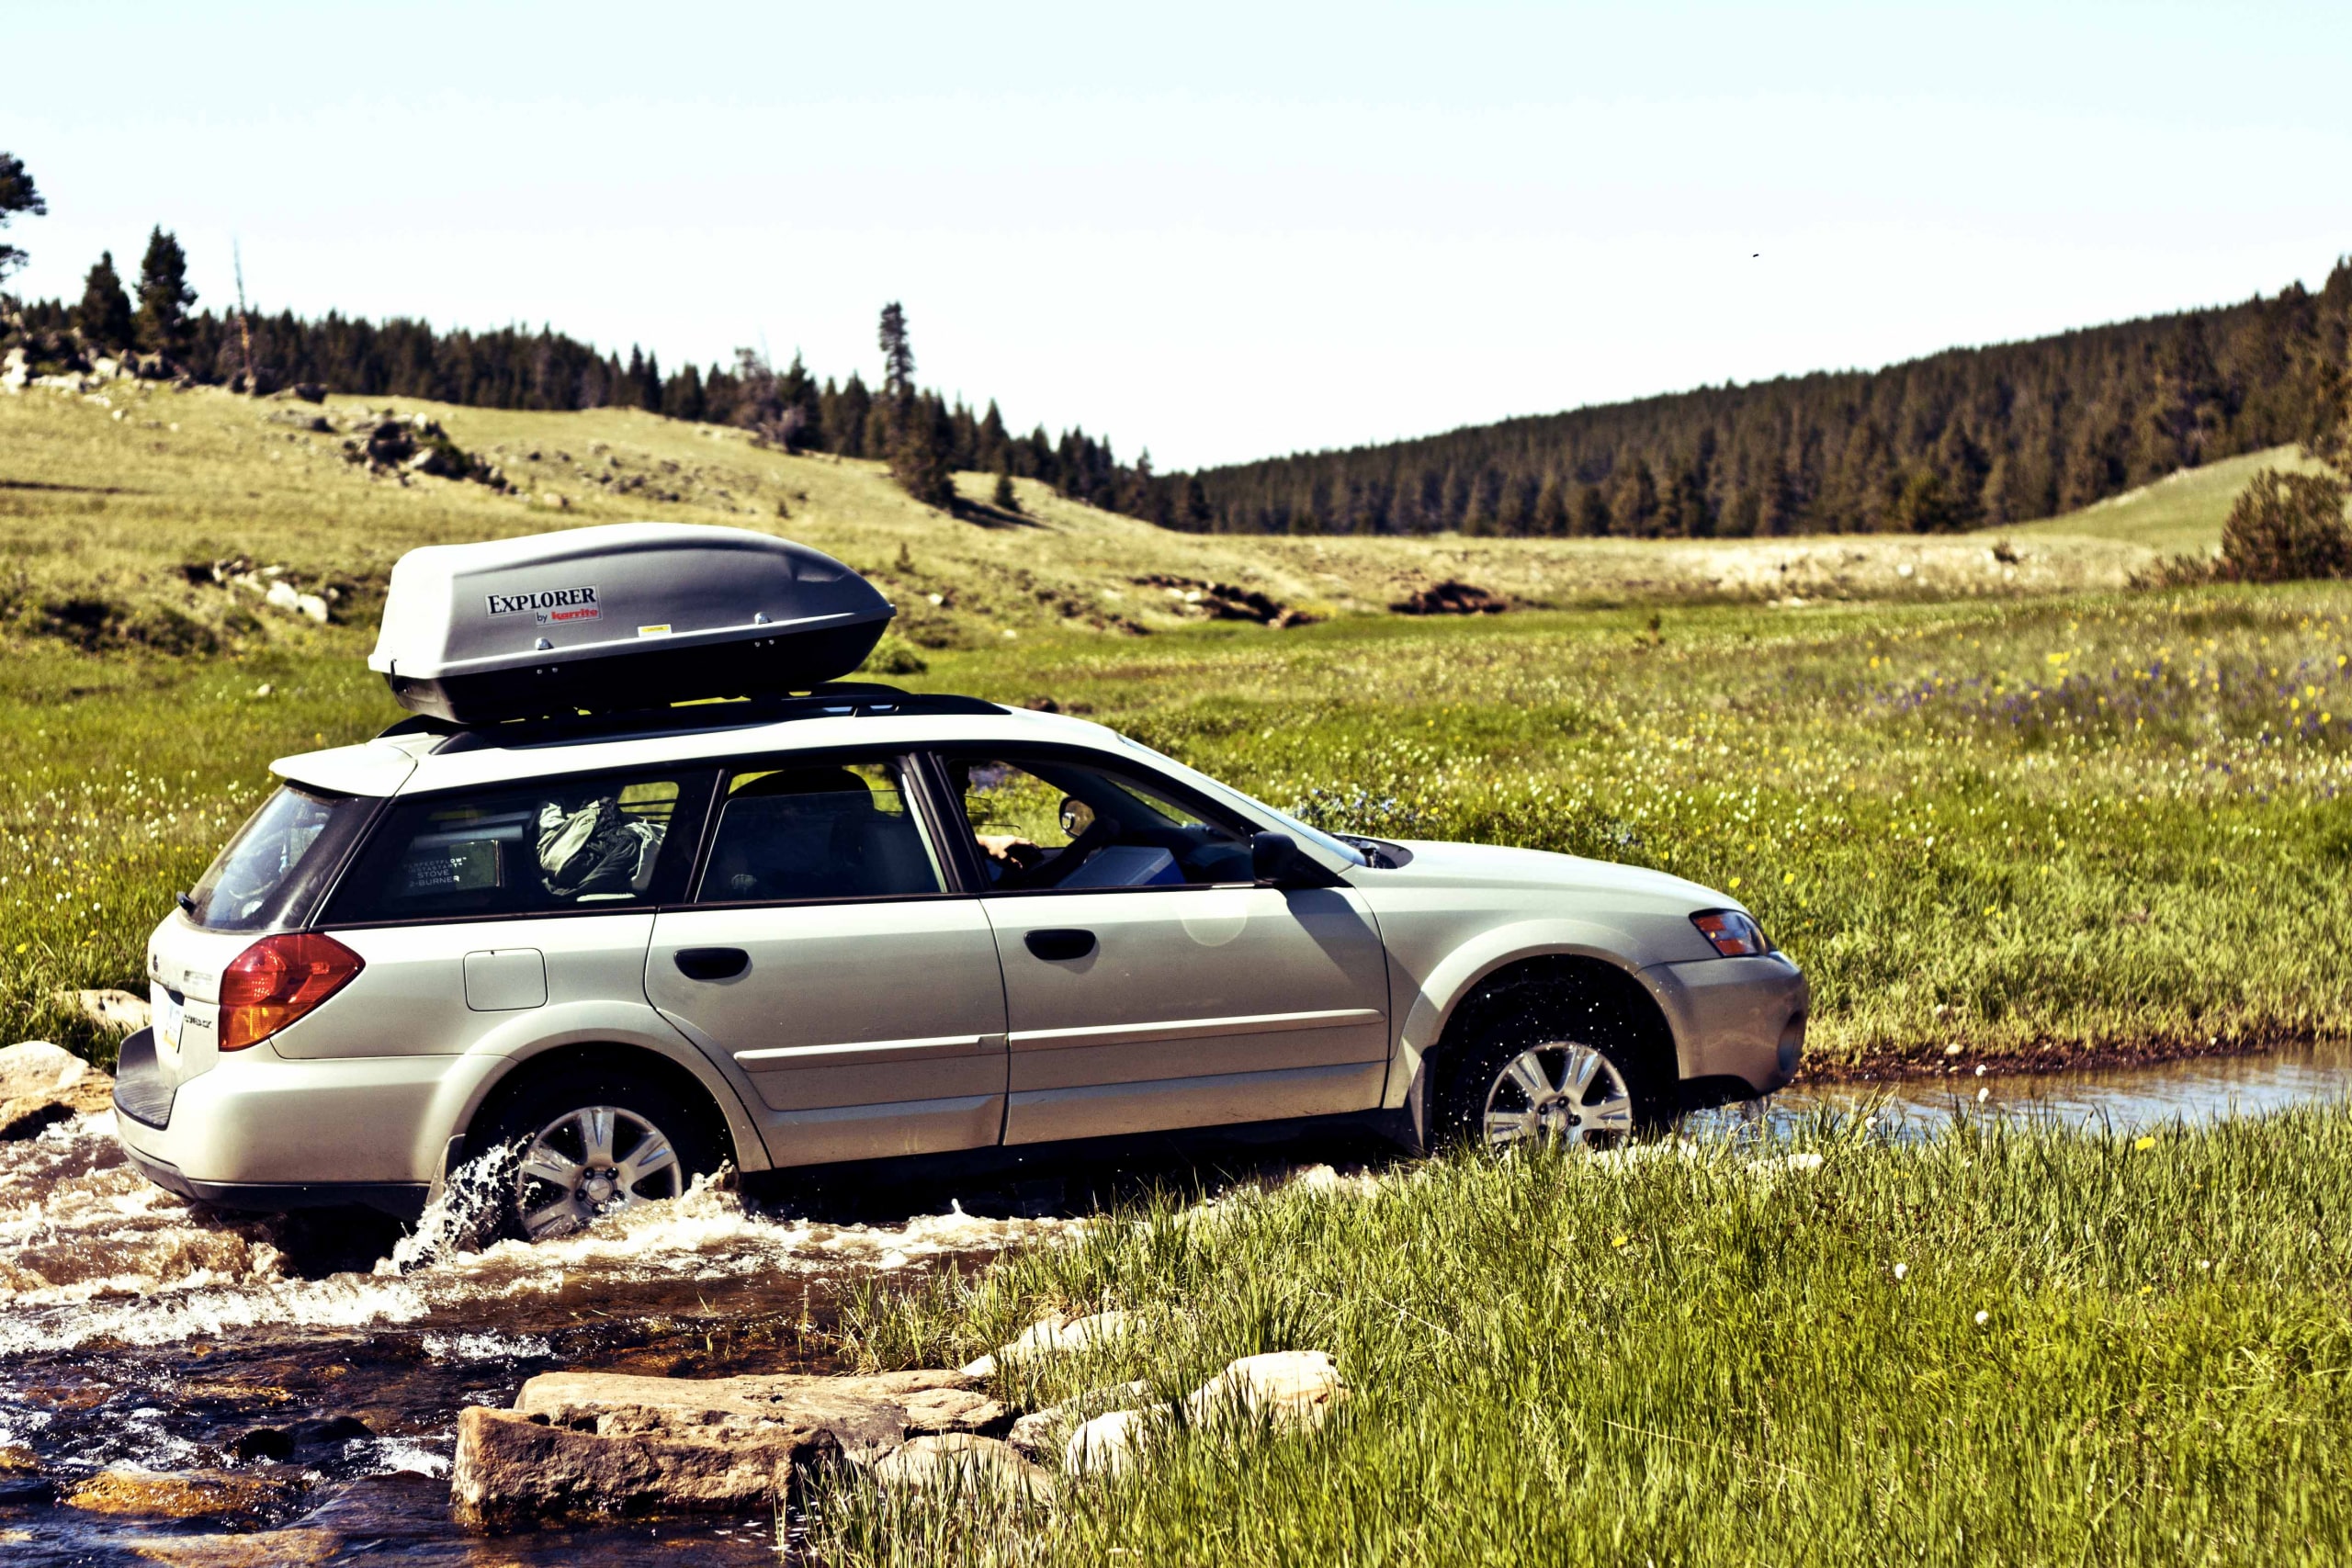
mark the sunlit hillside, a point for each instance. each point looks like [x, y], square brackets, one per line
[2179, 514]
[113, 501]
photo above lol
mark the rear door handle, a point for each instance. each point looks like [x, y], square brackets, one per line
[1056, 945]
[712, 962]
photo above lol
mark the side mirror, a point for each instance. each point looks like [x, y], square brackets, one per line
[1273, 857]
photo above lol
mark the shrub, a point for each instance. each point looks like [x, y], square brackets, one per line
[893, 655]
[2286, 528]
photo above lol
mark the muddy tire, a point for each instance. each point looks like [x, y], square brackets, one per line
[1548, 1062]
[584, 1143]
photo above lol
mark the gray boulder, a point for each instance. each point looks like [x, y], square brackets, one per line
[596, 1443]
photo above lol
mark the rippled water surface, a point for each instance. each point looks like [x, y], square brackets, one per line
[305, 1373]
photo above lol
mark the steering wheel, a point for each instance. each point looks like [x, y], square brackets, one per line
[1100, 834]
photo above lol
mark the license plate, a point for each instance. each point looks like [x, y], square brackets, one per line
[167, 1020]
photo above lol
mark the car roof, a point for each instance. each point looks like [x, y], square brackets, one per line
[408, 759]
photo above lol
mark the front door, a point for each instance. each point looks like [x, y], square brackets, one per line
[826, 954]
[1149, 982]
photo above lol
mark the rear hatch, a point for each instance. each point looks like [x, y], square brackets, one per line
[269, 879]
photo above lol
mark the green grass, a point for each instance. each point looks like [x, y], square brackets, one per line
[2113, 824]
[2178, 515]
[2027, 817]
[2095, 1350]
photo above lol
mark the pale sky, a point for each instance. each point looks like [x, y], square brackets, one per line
[1221, 232]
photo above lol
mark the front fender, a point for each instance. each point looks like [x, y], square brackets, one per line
[1430, 997]
[599, 1022]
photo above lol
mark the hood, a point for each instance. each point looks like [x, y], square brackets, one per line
[1440, 865]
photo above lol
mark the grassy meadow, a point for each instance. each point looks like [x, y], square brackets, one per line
[1999, 807]
[2007, 1345]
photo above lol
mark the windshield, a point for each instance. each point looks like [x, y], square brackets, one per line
[278, 851]
[1282, 820]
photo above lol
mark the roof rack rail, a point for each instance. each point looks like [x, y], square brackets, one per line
[840, 700]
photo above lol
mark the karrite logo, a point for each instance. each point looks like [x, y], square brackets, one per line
[545, 600]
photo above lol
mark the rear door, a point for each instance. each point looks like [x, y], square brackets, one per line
[826, 951]
[1149, 982]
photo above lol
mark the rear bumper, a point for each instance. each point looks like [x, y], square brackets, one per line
[401, 1200]
[1739, 1022]
[261, 1131]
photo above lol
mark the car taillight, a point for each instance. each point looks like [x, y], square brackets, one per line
[1733, 934]
[279, 979]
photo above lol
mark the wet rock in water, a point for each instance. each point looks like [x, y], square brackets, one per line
[945, 1457]
[263, 1442]
[21, 1482]
[1053, 1336]
[198, 1494]
[328, 1433]
[41, 1084]
[599, 1443]
[513, 1469]
[297, 1547]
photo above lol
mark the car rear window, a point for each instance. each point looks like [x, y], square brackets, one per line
[556, 845]
[277, 859]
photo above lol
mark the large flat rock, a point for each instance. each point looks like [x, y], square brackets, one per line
[602, 1443]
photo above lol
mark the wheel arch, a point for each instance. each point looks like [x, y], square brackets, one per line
[1470, 980]
[693, 1081]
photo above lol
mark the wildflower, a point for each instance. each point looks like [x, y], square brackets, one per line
[1620, 1241]
[1901, 1269]
[2145, 1141]
[1983, 1318]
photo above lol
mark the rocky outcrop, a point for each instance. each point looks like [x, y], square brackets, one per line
[41, 1084]
[1451, 597]
[592, 1443]
[595, 1444]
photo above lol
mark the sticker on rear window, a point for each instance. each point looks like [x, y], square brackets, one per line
[546, 599]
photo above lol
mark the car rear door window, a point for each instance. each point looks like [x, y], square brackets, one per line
[818, 830]
[564, 844]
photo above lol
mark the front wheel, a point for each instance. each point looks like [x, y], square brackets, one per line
[1532, 1076]
[589, 1146]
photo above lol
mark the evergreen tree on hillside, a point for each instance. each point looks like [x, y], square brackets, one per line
[920, 433]
[103, 316]
[163, 294]
[19, 197]
[898, 353]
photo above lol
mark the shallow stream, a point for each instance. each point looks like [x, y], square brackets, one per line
[303, 1374]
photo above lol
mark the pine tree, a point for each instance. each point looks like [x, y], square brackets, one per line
[163, 294]
[1551, 509]
[18, 194]
[898, 353]
[1592, 512]
[1004, 498]
[103, 316]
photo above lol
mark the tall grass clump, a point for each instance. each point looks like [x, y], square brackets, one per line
[2007, 1344]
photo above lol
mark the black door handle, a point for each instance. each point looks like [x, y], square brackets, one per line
[1053, 945]
[712, 962]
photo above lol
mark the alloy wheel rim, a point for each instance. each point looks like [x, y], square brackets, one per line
[589, 1162]
[1559, 1092]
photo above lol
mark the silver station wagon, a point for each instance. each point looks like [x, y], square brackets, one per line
[617, 952]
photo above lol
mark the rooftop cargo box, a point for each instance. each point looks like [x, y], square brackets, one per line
[631, 614]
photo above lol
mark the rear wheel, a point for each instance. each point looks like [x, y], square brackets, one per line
[1546, 1065]
[590, 1145]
